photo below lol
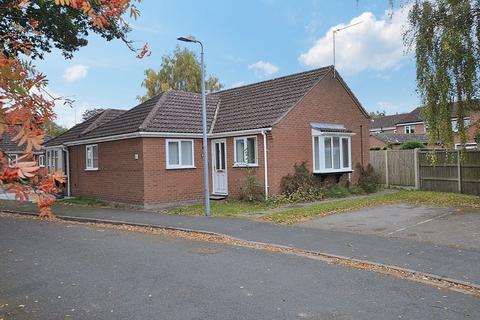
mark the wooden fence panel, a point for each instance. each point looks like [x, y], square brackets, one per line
[401, 171]
[377, 160]
[448, 172]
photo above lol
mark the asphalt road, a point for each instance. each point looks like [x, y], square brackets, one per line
[62, 271]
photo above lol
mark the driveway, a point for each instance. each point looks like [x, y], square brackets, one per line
[65, 271]
[446, 226]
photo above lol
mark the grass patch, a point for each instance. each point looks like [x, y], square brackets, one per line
[439, 199]
[225, 208]
[84, 202]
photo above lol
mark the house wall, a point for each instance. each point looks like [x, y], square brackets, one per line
[419, 128]
[164, 185]
[471, 130]
[119, 176]
[291, 141]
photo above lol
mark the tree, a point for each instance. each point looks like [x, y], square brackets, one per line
[52, 129]
[445, 35]
[180, 71]
[377, 114]
[28, 29]
[87, 114]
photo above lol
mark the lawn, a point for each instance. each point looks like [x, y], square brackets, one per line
[439, 199]
[225, 208]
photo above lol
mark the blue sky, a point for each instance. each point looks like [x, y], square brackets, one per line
[245, 41]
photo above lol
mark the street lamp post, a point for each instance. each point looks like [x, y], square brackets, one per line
[206, 192]
[334, 33]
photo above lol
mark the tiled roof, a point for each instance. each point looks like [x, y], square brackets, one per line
[399, 138]
[7, 145]
[77, 131]
[254, 106]
[329, 127]
[260, 105]
[387, 121]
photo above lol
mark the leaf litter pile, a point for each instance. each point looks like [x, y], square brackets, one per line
[227, 240]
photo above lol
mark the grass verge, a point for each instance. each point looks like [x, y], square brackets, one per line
[225, 208]
[439, 199]
[84, 202]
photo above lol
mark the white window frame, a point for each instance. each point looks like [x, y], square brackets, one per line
[50, 164]
[468, 146]
[409, 129]
[179, 165]
[12, 159]
[90, 167]
[41, 160]
[244, 164]
[321, 149]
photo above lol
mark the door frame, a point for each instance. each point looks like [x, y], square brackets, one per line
[224, 140]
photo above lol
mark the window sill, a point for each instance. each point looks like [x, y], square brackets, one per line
[245, 165]
[183, 167]
[91, 169]
[348, 170]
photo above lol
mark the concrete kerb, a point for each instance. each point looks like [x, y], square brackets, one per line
[429, 278]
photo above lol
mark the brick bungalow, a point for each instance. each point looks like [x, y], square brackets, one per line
[151, 154]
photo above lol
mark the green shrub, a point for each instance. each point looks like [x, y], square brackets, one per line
[338, 191]
[300, 181]
[411, 144]
[252, 189]
[368, 180]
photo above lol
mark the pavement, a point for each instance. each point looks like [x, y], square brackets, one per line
[461, 264]
[65, 271]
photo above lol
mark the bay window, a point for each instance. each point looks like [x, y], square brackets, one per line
[332, 153]
[245, 151]
[91, 155]
[179, 154]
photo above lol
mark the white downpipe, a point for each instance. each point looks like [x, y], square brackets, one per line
[265, 163]
[67, 168]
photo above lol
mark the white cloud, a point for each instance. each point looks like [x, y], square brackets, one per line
[374, 44]
[76, 72]
[264, 67]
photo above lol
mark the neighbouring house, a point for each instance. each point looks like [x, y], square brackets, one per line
[152, 153]
[14, 151]
[396, 129]
[394, 140]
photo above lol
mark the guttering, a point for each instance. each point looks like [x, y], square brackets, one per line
[164, 135]
[265, 163]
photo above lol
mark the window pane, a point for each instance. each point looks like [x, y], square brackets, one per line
[251, 150]
[240, 151]
[346, 159]
[222, 155]
[187, 156]
[328, 153]
[95, 156]
[217, 156]
[173, 156]
[316, 154]
[336, 152]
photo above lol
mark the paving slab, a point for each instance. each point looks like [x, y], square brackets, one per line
[445, 261]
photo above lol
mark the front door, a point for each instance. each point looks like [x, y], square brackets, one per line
[219, 166]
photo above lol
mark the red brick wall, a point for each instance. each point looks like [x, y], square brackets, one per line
[419, 128]
[164, 185]
[291, 140]
[119, 176]
[471, 130]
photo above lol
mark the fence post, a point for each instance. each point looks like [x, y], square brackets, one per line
[459, 171]
[416, 164]
[386, 168]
